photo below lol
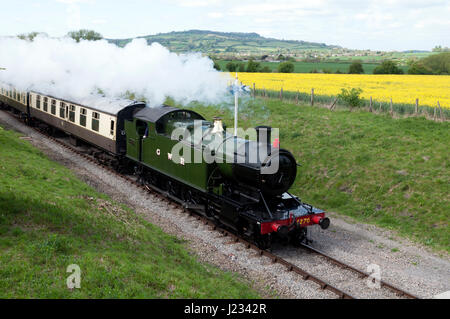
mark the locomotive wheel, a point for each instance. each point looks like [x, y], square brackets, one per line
[298, 236]
[263, 241]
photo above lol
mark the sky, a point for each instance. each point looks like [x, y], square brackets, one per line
[356, 24]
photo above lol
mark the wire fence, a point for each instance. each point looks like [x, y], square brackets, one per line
[436, 113]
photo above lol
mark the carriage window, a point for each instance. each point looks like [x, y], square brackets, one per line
[14, 95]
[82, 117]
[54, 107]
[38, 103]
[95, 121]
[72, 113]
[62, 110]
[45, 103]
[112, 127]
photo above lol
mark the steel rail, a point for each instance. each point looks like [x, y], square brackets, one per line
[398, 291]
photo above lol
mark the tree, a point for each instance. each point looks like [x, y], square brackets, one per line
[30, 36]
[438, 63]
[418, 68]
[351, 97]
[216, 66]
[356, 68]
[286, 67]
[84, 34]
[241, 67]
[266, 69]
[231, 67]
[253, 66]
[387, 67]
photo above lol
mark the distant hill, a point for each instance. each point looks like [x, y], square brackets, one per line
[226, 42]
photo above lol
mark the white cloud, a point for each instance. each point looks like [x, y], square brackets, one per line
[215, 15]
[198, 3]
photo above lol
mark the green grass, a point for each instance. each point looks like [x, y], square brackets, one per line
[394, 173]
[49, 220]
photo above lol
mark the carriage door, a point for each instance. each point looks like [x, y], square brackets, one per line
[135, 132]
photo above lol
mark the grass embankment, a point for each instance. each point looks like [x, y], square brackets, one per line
[49, 220]
[394, 173]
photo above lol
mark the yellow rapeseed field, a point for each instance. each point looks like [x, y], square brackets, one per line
[404, 89]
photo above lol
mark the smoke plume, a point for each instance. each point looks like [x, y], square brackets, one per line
[64, 68]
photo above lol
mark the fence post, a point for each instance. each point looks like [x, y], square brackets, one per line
[312, 97]
[392, 109]
[417, 107]
[264, 92]
[281, 94]
[334, 104]
[254, 91]
[370, 106]
[440, 110]
[296, 98]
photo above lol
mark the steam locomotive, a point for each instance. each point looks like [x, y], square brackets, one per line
[240, 183]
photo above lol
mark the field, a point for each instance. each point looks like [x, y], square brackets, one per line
[394, 173]
[49, 220]
[307, 67]
[404, 89]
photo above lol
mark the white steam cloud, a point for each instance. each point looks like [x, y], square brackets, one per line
[64, 68]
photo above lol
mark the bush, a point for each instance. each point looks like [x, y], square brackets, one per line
[266, 69]
[356, 68]
[351, 97]
[231, 66]
[286, 67]
[253, 66]
[387, 67]
[241, 67]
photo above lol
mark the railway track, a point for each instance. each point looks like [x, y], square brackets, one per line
[360, 273]
[176, 203]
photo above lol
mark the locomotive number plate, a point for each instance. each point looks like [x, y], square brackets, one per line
[304, 221]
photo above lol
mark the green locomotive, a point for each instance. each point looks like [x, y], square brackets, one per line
[228, 178]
